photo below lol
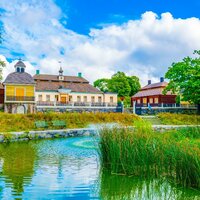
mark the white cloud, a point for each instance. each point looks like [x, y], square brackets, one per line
[144, 47]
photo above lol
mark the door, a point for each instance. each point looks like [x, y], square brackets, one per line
[63, 99]
[20, 94]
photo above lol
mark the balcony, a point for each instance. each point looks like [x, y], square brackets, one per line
[20, 99]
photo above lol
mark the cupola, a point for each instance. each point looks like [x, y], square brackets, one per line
[20, 66]
[61, 77]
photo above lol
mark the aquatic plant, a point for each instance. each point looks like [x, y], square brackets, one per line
[146, 153]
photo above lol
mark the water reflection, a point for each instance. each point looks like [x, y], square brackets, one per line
[116, 187]
[17, 165]
[69, 169]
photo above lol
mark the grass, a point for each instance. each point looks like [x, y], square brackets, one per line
[143, 152]
[20, 122]
[179, 119]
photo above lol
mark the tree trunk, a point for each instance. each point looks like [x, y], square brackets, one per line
[198, 108]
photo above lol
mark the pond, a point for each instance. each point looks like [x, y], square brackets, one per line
[70, 169]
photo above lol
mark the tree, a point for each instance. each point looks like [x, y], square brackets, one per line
[2, 64]
[134, 84]
[184, 79]
[119, 84]
[102, 84]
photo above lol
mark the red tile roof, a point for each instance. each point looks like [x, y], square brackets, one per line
[151, 92]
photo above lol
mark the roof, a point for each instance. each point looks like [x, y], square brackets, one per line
[55, 78]
[74, 84]
[1, 86]
[155, 85]
[20, 64]
[19, 78]
[151, 92]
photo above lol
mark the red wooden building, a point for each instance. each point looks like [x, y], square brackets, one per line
[152, 95]
[1, 95]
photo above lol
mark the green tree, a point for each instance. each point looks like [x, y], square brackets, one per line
[102, 84]
[125, 86]
[184, 79]
[120, 84]
[2, 65]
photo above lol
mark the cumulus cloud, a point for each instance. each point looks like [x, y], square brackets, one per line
[144, 47]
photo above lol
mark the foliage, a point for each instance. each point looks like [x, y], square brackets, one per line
[2, 65]
[125, 86]
[102, 84]
[146, 153]
[20, 122]
[185, 78]
[179, 119]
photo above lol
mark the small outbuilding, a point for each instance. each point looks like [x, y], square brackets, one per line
[152, 94]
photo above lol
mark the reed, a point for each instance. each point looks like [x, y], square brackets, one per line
[145, 153]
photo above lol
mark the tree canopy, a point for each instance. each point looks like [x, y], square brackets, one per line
[184, 78]
[119, 83]
[2, 64]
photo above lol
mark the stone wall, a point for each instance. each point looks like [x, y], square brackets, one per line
[50, 134]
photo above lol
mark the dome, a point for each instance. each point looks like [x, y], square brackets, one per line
[19, 78]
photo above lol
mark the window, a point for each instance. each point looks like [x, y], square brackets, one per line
[92, 99]
[22, 70]
[111, 99]
[40, 97]
[47, 97]
[99, 99]
[56, 97]
[85, 99]
[151, 100]
[18, 69]
[138, 101]
[144, 100]
[70, 98]
[155, 100]
[78, 98]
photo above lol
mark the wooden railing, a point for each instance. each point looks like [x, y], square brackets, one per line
[19, 98]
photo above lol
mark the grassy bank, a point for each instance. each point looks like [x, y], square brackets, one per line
[19, 122]
[145, 153]
[179, 119]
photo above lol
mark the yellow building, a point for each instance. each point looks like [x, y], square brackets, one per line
[19, 91]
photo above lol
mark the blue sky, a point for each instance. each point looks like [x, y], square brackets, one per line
[99, 37]
[84, 14]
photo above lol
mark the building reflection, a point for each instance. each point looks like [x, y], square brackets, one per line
[17, 165]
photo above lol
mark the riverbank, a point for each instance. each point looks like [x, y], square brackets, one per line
[26, 122]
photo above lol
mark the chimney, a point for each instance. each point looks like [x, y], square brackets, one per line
[161, 79]
[80, 74]
[149, 82]
[37, 72]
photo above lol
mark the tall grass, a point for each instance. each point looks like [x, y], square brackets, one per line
[179, 119]
[145, 153]
[20, 122]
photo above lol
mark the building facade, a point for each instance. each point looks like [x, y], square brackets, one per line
[19, 91]
[69, 92]
[152, 94]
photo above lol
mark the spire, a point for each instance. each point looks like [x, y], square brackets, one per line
[60, 77]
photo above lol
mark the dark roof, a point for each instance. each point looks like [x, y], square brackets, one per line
[151, 92]
[1, 86]
[55, 78]
[75, 84]
[155, 85]
[20, 64]
[19, 78]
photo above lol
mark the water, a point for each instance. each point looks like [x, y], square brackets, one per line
[69, 169]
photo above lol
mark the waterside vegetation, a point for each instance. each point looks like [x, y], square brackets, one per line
[21, 122]
[145, 153]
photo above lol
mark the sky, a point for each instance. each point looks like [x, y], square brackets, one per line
[99, 37]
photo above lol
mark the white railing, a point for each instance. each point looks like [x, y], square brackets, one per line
[73, 104]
